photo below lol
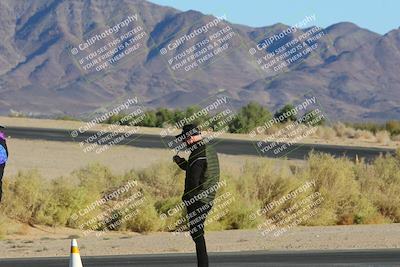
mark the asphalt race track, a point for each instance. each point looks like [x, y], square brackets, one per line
[226, 146]
[370, 258]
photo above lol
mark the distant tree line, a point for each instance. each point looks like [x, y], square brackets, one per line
[246, 119]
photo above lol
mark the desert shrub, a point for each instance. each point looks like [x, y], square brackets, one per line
[353, 193]
[65, 199]
[263, 180]
[383, 137]
[393, 127]
[372, 127]
[237, 203]
[344, 131]
[381, 183]
[96, 178]
[173, 204]
[113, 221]
[73, 194]
[236, 216]
[396, 138]
[66, 118]
[163, 180]
[146, 220]
[340, 129]
[273, 129]
[364, 134]
[336, 181]
[38, 201]
[29, 195]
[325, 132]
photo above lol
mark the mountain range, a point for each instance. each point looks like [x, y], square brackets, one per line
[353, 72]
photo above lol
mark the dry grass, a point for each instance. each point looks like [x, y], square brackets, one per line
[364, 135]
[339, 132]
[383, 137]
[354, 193]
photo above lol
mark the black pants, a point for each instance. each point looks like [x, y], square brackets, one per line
[197, 213]
[1, 179]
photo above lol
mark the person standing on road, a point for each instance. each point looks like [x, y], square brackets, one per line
[202, 175]
[3, 158]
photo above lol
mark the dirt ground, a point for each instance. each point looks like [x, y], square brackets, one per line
[54, 159]
[47, 242]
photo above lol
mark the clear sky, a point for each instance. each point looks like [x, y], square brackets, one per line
[379, 16]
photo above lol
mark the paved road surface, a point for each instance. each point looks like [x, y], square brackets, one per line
[227, 146]
[364, 258]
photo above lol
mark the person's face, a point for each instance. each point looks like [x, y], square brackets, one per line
[190, 140]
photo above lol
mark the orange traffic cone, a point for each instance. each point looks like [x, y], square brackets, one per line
[75, 258]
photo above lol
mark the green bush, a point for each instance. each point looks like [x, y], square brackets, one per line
[336, 181]
[381, 183]
[26, 196]
[285, 109]
[146, 220]
[249, 117]
[162, 180]
[171, 204]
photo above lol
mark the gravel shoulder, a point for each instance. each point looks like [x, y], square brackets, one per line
[54, 159]
[48, 242]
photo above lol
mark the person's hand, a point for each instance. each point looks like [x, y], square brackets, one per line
[177, 159]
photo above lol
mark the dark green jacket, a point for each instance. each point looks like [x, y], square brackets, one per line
[202, 172]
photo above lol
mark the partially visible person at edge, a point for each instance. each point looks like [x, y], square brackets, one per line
[3, 158]
[202, 173]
